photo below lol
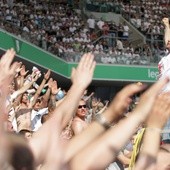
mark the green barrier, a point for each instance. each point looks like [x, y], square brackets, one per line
[124, 73]
[102, 72]
[33, 54]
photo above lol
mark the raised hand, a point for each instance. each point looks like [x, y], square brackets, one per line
[19, 67]
[83, 74]
[8, 70]
[160, 111]
[147, 99]
[35, 77]
[166, 22]
[23, 72]
[47, 75]
[54, 88]
[123, 98]
[49, 83]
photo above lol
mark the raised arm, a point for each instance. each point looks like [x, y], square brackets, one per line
[81, 78]
[113, 113]
[110, 143]
[7, 74]
[54, 90]
[45, 78]
[156, 121]
[17, 77]
[166, 30]
[25, 87]
[104, 108]
[23, 72]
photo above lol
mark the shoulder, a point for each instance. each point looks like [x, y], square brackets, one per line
[76, 120]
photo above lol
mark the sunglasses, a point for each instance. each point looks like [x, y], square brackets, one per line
[82, 106]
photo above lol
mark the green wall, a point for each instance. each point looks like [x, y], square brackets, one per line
[102, 72]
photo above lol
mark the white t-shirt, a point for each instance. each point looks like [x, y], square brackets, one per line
[36, 118]
[164, 70]
[100, 24]
[125, 30]
[91, 23]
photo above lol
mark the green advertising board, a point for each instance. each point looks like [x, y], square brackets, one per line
[34, 54]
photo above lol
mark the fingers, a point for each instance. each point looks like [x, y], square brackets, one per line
[14, 67]
[160, 111]
[148, 98]
[73, 72]
[18, 69]
[132, 89]
[50, 80]
[8, 57]
[156, 88]
[87, 61]
[81, 63]
[93, 66]
[47, 75]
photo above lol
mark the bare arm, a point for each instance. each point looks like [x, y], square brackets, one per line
[54, 90]
[6, 76]
[94, 130]
[156, 121]
[24, 88]
[166, 30]
[88, 97]
[46, 77]
[113, 140]
[104, 108]
[65, 110]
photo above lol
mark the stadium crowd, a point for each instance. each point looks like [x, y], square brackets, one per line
[67, 34]
[50, 122]
[43, 126]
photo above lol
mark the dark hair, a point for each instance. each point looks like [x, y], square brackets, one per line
[20, 156]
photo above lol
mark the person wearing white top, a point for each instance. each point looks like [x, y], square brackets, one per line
[36, 118]
[164, 71]
[100, 24]
[91, 23]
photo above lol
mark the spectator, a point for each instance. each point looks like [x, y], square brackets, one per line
[91, 24]
[79, 121]
[119, 45]
[163, 66]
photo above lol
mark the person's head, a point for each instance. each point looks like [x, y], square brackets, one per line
[82, 109]
[18, 155]
[100, 105]
[38, 104]
[12, 88]
[168, 45]
[25, 98]
[94, 102]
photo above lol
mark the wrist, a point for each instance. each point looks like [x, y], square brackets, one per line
[153, 129]
[56, 92]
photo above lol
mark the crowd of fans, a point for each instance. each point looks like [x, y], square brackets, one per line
[67, 34]
[39, 119]
[43, 126]
[146, 16]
